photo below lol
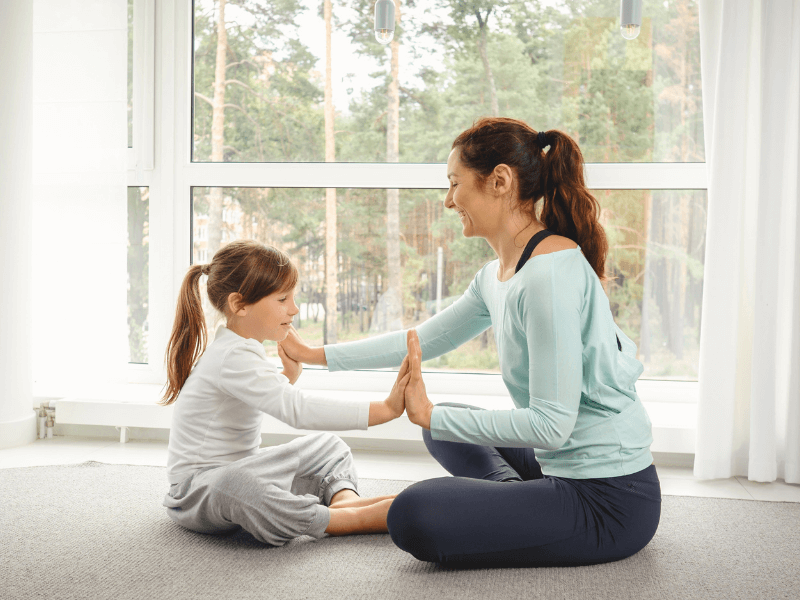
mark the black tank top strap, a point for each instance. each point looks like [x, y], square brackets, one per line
[526, 254]
[534, 241]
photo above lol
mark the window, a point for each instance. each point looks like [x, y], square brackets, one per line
[141, 105]
[625, 102]
[634, 107]
[559, 67]
[656, 240]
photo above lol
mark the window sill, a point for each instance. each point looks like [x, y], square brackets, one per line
[672, 407]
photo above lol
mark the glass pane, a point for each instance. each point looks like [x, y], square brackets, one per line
[554, 65]
[656, 241]
[656, 253]
[130, 73]
[138, 272]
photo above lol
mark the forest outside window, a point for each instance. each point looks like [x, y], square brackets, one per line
[656, 240]
[263, 93]
[138, 273]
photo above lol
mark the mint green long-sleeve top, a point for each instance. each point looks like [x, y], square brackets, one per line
[574, 390]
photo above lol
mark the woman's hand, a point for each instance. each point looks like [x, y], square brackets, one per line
[418, 406]
[291, 367]
[297, 350]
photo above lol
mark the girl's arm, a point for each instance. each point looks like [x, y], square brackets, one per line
[247, 375]
[395, 404]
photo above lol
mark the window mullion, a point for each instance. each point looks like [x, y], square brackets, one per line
[679, 176]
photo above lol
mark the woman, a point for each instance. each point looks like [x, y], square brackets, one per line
[565, 478]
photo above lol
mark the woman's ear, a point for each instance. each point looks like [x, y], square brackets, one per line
[502, 181]
[235, 305]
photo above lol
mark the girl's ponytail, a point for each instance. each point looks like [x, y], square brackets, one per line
[568, 208]
[189, 335]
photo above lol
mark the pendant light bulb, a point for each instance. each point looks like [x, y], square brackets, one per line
[630, 18]
[384, 21]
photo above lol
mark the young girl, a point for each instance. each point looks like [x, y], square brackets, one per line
[220, 480]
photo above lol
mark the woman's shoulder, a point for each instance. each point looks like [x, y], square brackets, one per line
[554, 243]
[557, 261]
[564, 272]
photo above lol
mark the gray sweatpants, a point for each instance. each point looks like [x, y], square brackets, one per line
[277, 495]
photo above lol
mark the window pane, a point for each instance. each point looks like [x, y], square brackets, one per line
[564, 66]
[656, 252]
[130, 73]
[656, 241]
[138, 272]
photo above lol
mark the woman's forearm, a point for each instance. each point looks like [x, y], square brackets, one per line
[315, 356]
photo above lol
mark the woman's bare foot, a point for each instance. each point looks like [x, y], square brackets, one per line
[359, 519]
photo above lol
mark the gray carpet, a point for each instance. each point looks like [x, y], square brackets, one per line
[98, 531]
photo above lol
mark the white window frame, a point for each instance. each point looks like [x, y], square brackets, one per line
[173, 175]
[141, 152]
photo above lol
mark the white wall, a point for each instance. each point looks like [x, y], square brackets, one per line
[17, 423]
[79, 193]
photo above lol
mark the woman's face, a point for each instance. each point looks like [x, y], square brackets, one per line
[467, 197]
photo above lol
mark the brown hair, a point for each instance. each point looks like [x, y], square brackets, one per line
[245, 267]
[555, 176]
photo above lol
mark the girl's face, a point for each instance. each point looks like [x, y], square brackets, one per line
[467, 197]
[268, 319]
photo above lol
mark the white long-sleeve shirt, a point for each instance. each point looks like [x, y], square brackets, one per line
[218, 413]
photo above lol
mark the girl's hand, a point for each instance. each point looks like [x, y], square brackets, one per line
[396, 402]
[418, 406]
[291, 368]
[297, 350]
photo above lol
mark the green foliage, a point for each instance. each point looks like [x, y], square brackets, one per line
[561, 66]
[138, 272]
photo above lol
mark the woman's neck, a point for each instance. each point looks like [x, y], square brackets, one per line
[510, 240]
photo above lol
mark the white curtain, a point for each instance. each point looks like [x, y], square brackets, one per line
[79, 302]
[749, 412]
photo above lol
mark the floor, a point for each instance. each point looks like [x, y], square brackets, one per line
[675, 481]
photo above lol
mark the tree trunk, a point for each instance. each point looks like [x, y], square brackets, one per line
[217, 133]
[484, 52]
[394, 291]
[331, 260]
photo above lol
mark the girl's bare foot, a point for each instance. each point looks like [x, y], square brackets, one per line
[352, 500]
[360, 519]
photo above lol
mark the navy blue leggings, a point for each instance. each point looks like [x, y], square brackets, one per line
[499, 510]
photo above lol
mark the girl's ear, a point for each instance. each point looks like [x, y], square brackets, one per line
[235, 304]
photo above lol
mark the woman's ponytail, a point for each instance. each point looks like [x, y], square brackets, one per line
[568, 208]
[556, 176]
[189, 335]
